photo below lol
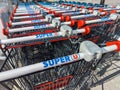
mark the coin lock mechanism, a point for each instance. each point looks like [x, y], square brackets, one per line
[56, 23]
[90, 50]
[66, 30]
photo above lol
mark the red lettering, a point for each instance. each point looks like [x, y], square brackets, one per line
[61, 82]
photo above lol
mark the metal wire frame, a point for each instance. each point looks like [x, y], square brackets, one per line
[13, 61]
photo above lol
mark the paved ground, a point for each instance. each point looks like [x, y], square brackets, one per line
[109, 78]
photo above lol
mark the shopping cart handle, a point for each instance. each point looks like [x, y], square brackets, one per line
[64, 31]
[88, 51]
[81, 23]
[114, 43]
